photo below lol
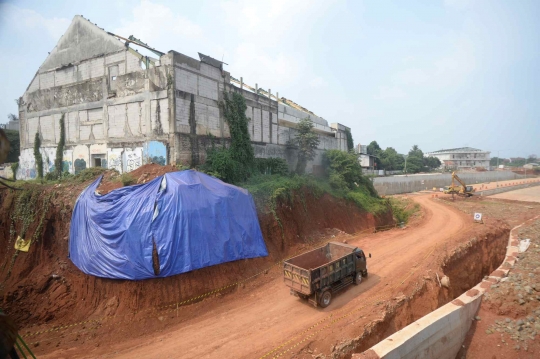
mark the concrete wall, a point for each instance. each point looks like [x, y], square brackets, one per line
[441, 333]
[199, 120]
[111, 105]
[121, 116]
[415, 183]
[490, 192]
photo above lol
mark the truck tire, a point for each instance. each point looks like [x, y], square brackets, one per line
[325, 299]
[358, 278]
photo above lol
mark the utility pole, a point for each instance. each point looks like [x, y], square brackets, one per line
[405, 156]
[497, 169]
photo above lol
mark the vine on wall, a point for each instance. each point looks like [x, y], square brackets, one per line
[58, 161]
[37, 155]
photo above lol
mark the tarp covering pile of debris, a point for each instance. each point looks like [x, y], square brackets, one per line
[191, 219]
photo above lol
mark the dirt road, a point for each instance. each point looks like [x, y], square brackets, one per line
[252, 322]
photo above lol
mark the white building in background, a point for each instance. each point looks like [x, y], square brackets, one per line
[462, 158]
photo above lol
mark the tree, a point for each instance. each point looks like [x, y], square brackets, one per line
[495, 161]
[58, 161]
[350, 142]
[14, 146]
[343, 168]
[532, 159]
[391, 160]
[37, 155]
[415, 161]
[432, 162]
[373, 148]
[13, 117]
[306, 141]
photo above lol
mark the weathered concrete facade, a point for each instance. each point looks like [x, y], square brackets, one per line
[122, 109]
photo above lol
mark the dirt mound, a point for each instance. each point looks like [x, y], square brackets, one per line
[43, 288]
[112, 180]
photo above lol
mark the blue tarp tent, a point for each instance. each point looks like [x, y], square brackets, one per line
[194, 221]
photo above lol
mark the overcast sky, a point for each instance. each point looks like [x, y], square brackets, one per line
[439, 74]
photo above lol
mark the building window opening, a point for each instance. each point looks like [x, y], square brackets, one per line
[99, 161]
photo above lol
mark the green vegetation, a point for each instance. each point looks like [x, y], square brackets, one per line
[344, 180]
[14, 168]
[127, 179]
[29, 204]
[272, 166]
[37, 155]
[306, 142]
[390, 160]
[14, 146]
[236, 163]
[403, 209]
[350, 142]
[513, 162]
[58, 161]
[269, 180]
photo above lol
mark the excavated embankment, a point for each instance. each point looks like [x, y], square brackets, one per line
[44, 287]
[465, 266]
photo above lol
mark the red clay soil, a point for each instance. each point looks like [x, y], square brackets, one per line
[141, 175]
[508, 324]
[44, 289]
[261, 316]
[250, 319]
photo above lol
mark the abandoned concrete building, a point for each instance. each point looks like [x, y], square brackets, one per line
[123, 109]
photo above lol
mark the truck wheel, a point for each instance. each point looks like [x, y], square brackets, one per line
[326, 298]
[358, 278]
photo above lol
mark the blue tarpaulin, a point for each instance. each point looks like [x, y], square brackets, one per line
[193, 219]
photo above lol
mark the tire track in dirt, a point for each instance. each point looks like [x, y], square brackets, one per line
[248, 324]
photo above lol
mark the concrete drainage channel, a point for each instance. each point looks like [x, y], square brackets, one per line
[440, 333]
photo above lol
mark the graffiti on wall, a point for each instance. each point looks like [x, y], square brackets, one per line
[48, 155]
[27, 165]
[132, 158]
[81, 158]
[114, 159]
[155, 152]
[67, 161]
[80, 164]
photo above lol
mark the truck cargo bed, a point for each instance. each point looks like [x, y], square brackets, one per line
[321, 256]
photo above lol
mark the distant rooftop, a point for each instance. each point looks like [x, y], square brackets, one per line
[459, 149]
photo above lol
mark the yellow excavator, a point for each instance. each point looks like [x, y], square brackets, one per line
[461, 190]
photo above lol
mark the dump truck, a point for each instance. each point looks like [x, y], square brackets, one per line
[318, 274]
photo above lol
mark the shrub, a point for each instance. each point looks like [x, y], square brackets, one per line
[14, 168]
[89, 174]
[272, 166]
[127, 179]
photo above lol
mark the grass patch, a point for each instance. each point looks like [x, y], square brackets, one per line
[127, 179]
[403, 209]
[268, 189]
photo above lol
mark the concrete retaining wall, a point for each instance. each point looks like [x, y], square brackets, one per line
[415, 183]
[441, 333]
[490, 192]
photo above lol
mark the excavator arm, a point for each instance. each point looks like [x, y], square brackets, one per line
[456, 177]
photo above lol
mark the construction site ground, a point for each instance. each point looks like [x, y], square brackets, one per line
[530, 194]
[260, 319]
[508, 322]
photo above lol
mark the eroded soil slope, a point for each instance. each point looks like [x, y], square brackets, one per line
[43, 289]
